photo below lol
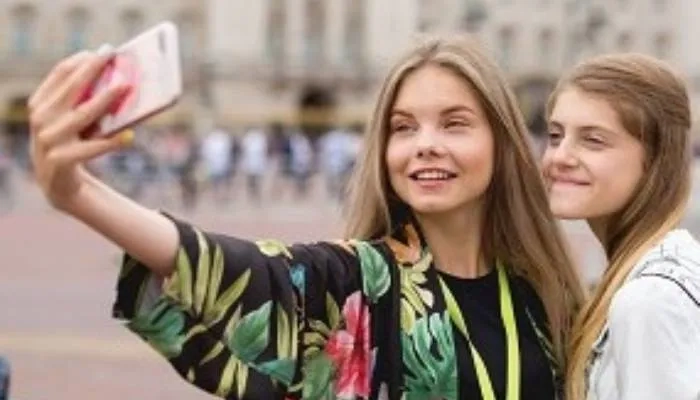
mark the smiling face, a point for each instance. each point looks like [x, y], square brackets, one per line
[591, 164]
[440, 148]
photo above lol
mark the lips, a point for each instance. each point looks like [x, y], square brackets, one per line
[568, 181]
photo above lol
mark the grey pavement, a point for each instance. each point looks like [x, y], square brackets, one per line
[57, 284]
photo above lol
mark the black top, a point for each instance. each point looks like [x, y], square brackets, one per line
[479, 302]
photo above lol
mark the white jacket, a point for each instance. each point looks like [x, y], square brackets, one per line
[650, 346]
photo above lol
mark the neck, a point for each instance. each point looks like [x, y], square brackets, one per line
[455, 243]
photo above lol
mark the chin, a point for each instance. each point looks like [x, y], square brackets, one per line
[569, 211]
[430, 208]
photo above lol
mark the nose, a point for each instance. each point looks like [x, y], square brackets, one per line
[429, 144]
[564, 154]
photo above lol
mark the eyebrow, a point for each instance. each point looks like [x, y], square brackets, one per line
[584, 128]
[446, 111]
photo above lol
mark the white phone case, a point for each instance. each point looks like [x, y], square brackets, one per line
[150, 62]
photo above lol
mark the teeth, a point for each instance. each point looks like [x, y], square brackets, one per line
[432, 175]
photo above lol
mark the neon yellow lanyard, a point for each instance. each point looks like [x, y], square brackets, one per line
[512, 346]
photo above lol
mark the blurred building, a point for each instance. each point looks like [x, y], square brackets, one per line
[269, 58]
[250, 62]
[35, 34]
[272, 58]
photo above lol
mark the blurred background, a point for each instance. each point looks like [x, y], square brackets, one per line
[261, 145]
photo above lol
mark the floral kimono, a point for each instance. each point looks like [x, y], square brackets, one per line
[328, 320]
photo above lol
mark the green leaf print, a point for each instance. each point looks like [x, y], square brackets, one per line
[375, 271]
[422, 342]
[251, 336]
[318, 378]
[200, 297]
[179, 286]
[333, 312]
[284, 345]
[162, 327]
[202, 275]
[273, 248]
[216, 276]
[408, 316]
[314, 339]
[241, 379]
[424, 263]
[235, 372]
[232, 323]
[224, 303]
[429, 358]
[213, 353]
[281, 370]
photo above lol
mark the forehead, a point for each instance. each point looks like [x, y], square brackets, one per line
[575, 108]
[434, 87]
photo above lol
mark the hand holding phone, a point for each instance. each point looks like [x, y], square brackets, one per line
[150, 64]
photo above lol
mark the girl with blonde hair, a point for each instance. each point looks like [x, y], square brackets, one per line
[453, 281]
[619, 157]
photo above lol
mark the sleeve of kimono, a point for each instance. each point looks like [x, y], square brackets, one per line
[246, 320]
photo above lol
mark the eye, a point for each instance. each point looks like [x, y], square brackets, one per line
[594, 141]
[456, 123]
[554, 138]
[398, 128]
[401, 126]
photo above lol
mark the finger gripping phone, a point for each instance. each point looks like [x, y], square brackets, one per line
[150, 64]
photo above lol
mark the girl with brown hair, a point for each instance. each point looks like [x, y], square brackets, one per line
[618, 156]
[453, 281]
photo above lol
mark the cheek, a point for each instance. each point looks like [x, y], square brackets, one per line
[618, 181]
[478, 159]
[392, 157]
[396, 159]
[544, 167]
[546, 160]
[623, 182]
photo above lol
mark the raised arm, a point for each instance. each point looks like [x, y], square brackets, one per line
[239, 319]
[58, 117]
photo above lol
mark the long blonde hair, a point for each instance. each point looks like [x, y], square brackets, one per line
[519, 227]
[652, 104]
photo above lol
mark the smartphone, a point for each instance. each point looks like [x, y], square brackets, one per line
[150, 63]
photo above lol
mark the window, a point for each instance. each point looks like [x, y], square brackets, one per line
[77, 29]
[132, 23]
[507, 46]
[624, 41]
[660, 6]
[428, 15]
[662, 45]
[276, 27]
[23, 27]
[188, 33]
[546, 45]
[315, 40]
[475, 14]
[355, 33]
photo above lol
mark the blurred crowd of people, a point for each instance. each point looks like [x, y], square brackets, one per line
[258, 164]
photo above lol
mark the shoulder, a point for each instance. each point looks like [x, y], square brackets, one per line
[675, 262]
[657, 298]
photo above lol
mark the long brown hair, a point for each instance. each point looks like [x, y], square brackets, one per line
[519, 227]
[652, 104]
